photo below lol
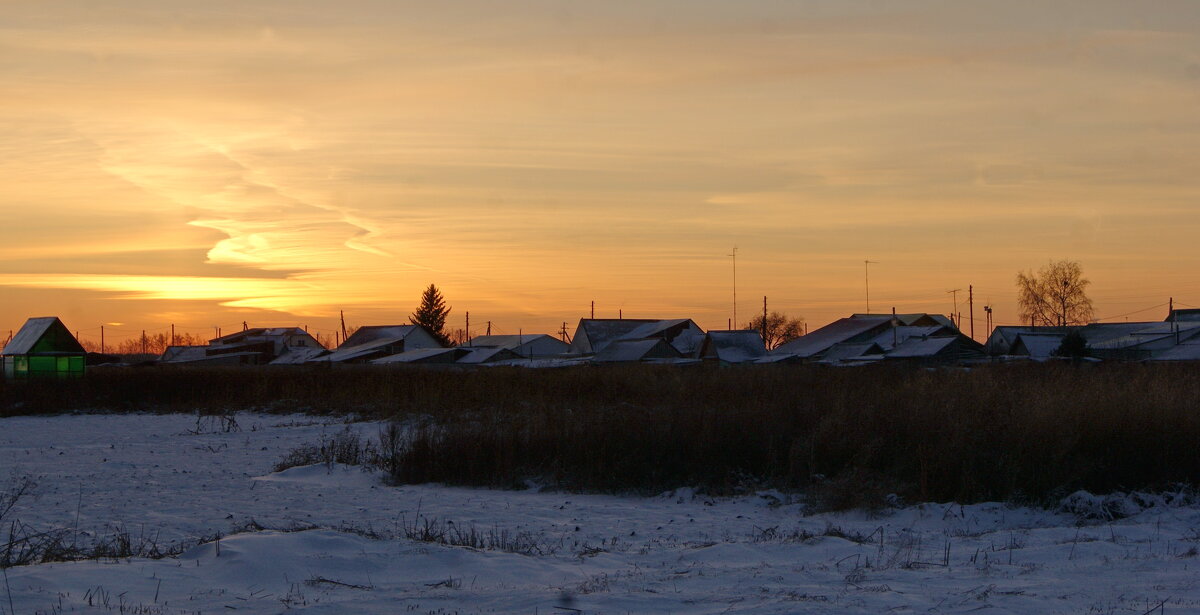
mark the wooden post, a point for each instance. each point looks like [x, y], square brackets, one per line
[971, 302]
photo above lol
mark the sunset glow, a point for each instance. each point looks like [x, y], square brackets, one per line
[201, 164]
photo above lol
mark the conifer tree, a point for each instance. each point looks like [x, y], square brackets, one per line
[432, 314]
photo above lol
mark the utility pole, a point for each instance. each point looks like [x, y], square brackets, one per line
[734, 255]
[468, 328]
[620, 314]
[245, 325]
[955, 295]
[143, 341]
[971, 302]
[342, 314]
[764, 322]
[867, 280]
[895, 334]
[593, 309]
[172, 334]
[489, 329]
[101, 339]
[1174, 319]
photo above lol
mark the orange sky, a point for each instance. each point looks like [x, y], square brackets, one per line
[210, 163]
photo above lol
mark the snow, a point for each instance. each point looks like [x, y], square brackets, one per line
[336, 541]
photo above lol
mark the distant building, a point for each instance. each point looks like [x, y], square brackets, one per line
[593, 335]
[866, 338]
[44, 347]
[258, 346]
[424, 356]
[632, 351]
[530, 346]
[732, 347]
[376, 342]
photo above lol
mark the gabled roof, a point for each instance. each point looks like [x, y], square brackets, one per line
[593, 334]
[734, 346]
[636, 350]
[894, 336]
[45, 334]
[259, 332]
[1037, 346]
[512, 342]
[852, 351]
[918, 319]
[855, 328]
[660, 328]
[369, 339]
[183, 354]
[958, 348]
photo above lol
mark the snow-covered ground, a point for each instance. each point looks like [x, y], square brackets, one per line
[677, 553]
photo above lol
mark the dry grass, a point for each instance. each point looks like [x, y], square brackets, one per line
[1005, 432]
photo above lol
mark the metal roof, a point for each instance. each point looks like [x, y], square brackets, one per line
[421, 355]
[836, 332]
[593, 334]
[1039, 346]
[735, 346]
[296, 355]
[487, 354]
[368, 339]
[35, 329]
[636, 350]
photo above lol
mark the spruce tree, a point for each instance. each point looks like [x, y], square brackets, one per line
[432, 314]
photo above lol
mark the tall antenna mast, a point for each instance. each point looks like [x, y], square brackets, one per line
[867, 280]
[734, 255]
[955, 294]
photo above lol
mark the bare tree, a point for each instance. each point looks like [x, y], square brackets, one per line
[1055, 296]
[780, 329]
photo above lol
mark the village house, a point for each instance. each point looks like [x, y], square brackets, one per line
[529, 346]
[257, 346]
[375, 342]
[43, 347]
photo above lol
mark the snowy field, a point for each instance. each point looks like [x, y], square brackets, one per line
[335, 539]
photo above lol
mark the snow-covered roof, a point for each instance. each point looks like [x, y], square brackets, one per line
[734, 346]
[593, 334]
[477, 355]
[35, 329]
[851, 351]
[530, 344]
[368, 340]
[916, 348]
[1038, 346]
[836, 332]
[658, 328]
[1185, 351]
[423, 355]
[259, 332]
[636, 350]
[295, 355]
[894, 336]
[183, 354]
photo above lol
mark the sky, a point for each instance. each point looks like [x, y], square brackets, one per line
[206, 164]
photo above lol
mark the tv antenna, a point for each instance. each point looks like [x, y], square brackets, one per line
[867, 280]
[954, 293]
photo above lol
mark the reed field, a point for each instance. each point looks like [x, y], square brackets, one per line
[848, 437]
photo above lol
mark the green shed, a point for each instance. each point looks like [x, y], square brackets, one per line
[44, 347]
